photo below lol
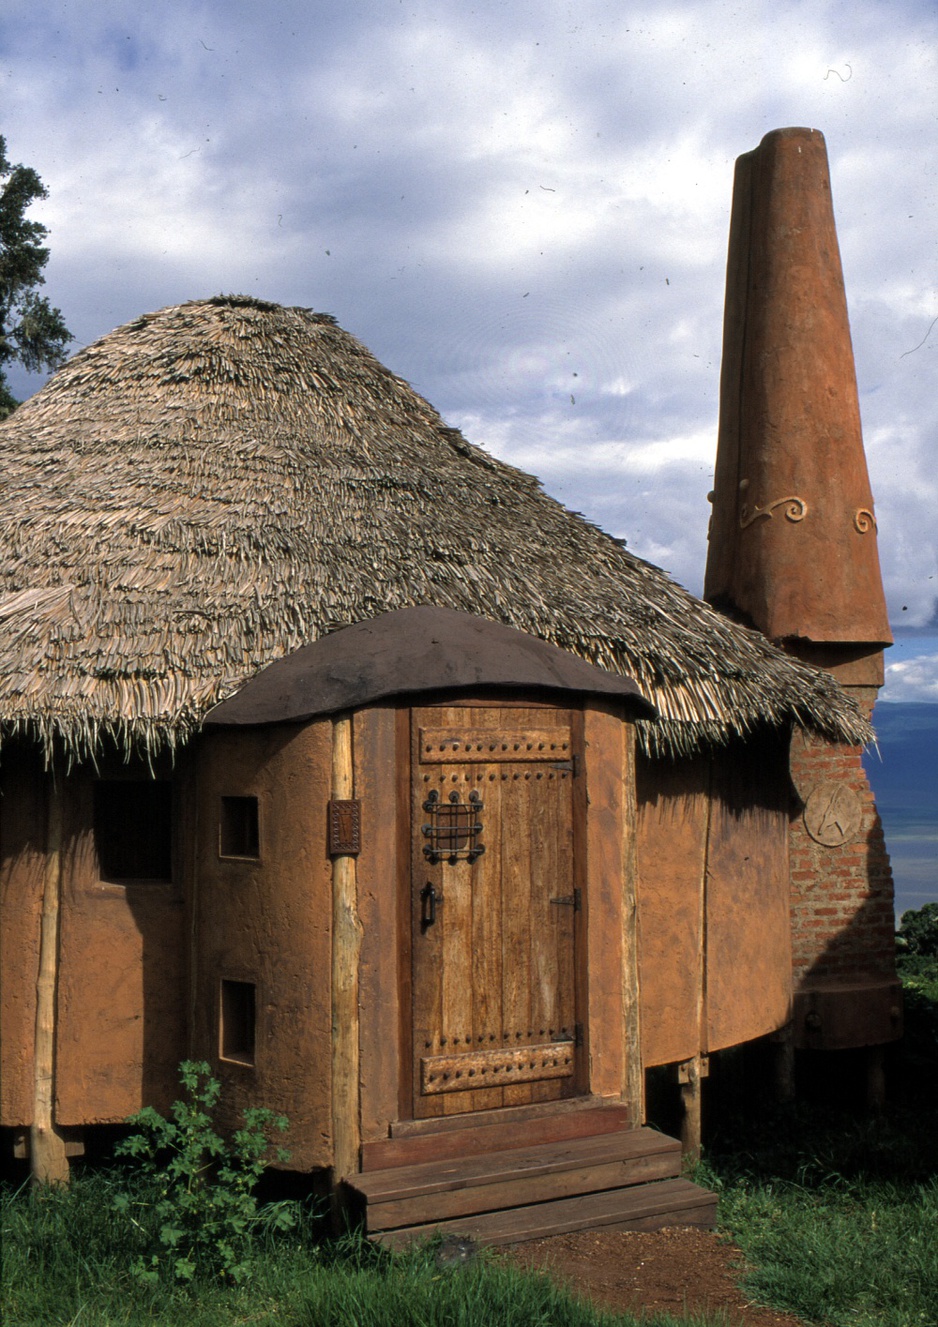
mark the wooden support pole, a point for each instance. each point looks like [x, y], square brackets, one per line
[633, 1086]
[691, 1071]
[48, 1160]
[783, 1045]
[346, 950]
[876, 1077]
[690, 1074]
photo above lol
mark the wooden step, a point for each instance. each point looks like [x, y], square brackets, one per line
[670, 1202]
[455, 1187]
[518, 1128]
[500, 1115]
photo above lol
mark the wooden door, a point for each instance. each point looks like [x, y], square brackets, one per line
[495, 907]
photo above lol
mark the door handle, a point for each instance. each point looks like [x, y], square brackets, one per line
[429, 901]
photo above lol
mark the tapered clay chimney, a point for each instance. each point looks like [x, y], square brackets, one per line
[793, 550]
[793, 536]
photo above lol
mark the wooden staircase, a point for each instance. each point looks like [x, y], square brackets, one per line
[510, 1179]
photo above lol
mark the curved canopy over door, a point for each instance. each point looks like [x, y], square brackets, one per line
[413, 651]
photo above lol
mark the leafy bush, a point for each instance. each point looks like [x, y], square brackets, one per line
[918, 932]
[193, 1191]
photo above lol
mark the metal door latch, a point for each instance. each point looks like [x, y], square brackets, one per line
[430, 900]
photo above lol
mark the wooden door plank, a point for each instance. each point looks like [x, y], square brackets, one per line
[457, 975]
[516, 911]
[486, 939]
[426, 942]
[553, 923]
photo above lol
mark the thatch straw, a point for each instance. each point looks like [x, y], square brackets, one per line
[214, 485]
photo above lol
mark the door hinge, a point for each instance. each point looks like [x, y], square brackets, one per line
[572, 765]
[578, 1034]
[569, 900]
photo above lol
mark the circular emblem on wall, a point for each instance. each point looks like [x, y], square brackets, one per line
[832, 814]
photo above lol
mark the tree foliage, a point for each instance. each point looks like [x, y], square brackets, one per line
[32, 331]
[918, 932]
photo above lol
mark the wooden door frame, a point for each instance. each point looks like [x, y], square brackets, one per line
[405, 1102]
[607, 994]
[580, 876]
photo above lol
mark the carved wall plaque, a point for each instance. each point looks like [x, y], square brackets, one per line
[832, 814]
[345, 827]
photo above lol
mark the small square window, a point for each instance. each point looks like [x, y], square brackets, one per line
[133, 821]
[238, 828]
[238, 1015]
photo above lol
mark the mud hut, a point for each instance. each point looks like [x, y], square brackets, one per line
[339, 754]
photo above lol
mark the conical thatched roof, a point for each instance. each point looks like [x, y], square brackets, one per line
[214, 485]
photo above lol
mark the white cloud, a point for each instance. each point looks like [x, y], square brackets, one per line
[512, 205]
[912, 679]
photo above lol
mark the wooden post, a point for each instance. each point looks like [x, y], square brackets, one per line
[346, 950]
[875, 1077]
[691, 1071]
[783, 1045]
[48, 1160]
[689, 1078]
[633, 1086]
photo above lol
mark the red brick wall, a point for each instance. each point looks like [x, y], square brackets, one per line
[842, 894]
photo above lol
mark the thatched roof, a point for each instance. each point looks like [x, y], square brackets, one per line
[212, 486]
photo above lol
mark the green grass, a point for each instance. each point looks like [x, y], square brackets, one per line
[862, 1255]
[837, 1216]
[67, 1256]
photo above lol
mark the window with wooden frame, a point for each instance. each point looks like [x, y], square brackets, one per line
[133, 830]
[239, 828]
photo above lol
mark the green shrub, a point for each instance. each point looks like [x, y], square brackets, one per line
[918, 932]
[193, 1190]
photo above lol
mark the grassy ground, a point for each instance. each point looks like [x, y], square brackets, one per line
[67, 1254]
[837, 1217]
[838, 1220]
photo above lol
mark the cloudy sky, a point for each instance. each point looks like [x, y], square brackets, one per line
[521, 206]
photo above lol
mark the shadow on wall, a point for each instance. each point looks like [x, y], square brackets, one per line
[121, 1008]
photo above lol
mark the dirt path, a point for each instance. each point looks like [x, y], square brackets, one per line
[669, 1271]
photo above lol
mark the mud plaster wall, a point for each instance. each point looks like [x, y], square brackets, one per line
[748, 952]
[22, 848]
[268, 922]
[713, 901]
[671, 833]
[120, 1014]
